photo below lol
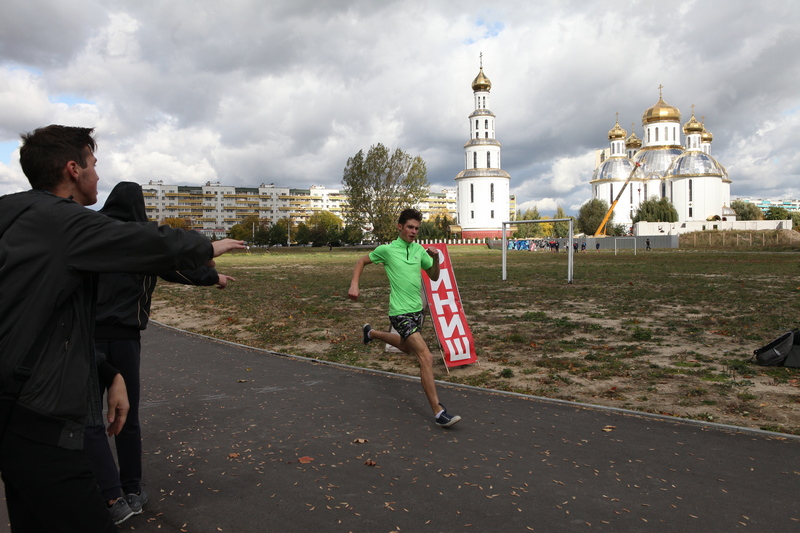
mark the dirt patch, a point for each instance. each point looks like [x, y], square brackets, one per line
[599, 361]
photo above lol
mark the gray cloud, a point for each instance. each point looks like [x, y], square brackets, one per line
[284, 92]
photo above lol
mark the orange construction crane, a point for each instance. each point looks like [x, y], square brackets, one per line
[601, 230]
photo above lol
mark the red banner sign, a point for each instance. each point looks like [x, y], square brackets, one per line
[448, 316]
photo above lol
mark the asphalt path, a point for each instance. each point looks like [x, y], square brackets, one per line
[243, 440]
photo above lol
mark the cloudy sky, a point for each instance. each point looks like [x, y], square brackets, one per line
[283, 91]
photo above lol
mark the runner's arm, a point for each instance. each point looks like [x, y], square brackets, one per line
[359, 268]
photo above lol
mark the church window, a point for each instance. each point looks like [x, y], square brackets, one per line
[631, 191]
[472, 214]
[611, 195]
[690, 212]
[474, 159]
[690, 190]
[488, 159]
[484, 102]
[471, 192]
[486, 135]
[476, 124]
[656, 134]
[492, 215]
[487, 124]
[648, 135]
[663, 190]
[491, 193]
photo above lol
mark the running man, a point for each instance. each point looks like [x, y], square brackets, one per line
[403, 260]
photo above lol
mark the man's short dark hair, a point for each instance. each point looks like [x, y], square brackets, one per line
[409, 214]
[46, 151]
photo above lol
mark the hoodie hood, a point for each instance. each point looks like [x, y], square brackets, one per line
[13, 205]
[126, 203]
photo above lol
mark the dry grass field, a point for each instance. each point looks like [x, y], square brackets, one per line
[667, 331]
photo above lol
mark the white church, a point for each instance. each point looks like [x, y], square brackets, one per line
[483, 187]
[685, 173]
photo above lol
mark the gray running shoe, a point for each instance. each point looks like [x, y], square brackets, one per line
[137, 501]
[120, 511]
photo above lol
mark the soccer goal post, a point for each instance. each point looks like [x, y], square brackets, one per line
[570, 251]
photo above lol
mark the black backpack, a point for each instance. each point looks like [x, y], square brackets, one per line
[776, 353]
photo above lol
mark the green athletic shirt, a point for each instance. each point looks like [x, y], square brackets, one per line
[403, 262]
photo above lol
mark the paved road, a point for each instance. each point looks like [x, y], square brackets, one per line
[240, 440]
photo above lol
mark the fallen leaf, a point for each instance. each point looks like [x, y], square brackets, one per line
[306, 459]
[361, 441]
[370, 463]
[233, 455]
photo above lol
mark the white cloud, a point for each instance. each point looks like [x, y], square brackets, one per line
[284, 92]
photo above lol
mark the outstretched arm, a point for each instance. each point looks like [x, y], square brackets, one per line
[226, 245]
[359, 268]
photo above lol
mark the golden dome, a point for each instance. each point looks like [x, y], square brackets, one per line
[706, 136]
[661, 112]
[692, 126]
[633, 141]
[481, 82]
[616, 133]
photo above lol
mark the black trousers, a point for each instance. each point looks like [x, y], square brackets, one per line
[124, 355]
[50, 489]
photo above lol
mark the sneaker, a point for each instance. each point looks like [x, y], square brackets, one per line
[137, 501]
[444, 420]
[120, 511]
[367, 329]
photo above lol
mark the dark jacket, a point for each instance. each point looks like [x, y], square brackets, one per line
[49, 249]
[123, 300]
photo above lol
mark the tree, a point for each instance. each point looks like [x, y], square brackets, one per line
[796, 221]
[301, 233]
[352, 235]
[561, 229]
[278, 232]
[381, 185]
[325, 228]
[177, 222]
[591, 214]
[655, 210]
[251, 229]
[436, 228]
[746, 210]
[527, 231]
[777, 213]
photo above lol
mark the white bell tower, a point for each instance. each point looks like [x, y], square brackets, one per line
[483, 188]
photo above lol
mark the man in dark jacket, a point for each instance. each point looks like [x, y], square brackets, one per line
[50, 247]
[123, 310]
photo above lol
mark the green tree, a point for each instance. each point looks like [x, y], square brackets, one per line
[380, 185]
[325, 228]
[278, 232]
[302, 233]
[527, 231]
[437, 227]
[251, 229]
[591, 214]
[796, 221]
[352, 234]
[561, 229]
[656, 210]
[777, 213]
[746, 210]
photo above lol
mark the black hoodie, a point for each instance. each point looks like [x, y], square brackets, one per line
[50, 247]
[123, 300]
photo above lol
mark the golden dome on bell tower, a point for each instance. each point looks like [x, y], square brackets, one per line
[633, 142]
[661, 112]
[481, 82]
